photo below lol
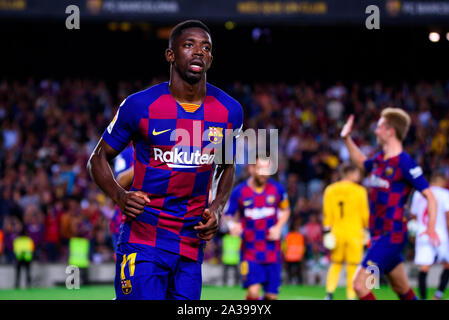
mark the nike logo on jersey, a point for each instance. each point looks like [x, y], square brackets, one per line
[156, 133]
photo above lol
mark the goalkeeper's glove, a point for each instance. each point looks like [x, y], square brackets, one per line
[329, 240]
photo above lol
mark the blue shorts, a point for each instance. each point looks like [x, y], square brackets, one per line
[148, 273]
[266, 274]
[384, 254]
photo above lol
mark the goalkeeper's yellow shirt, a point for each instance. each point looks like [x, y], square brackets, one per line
[346, 209]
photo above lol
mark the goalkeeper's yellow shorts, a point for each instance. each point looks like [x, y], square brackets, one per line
[347, 251]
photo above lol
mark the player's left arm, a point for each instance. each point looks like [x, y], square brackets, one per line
[223, 180]
[274, 233]
[414, 174]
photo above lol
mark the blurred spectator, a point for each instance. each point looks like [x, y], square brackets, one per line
[312, 231]
[294, 253]
[23, 247]
[231, 257]
[12, 229]
[52, 231]
[101, 248]
[33, 220]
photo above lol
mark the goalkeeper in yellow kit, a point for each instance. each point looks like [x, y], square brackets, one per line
[346, 214]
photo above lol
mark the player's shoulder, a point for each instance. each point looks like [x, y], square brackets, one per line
[405, 156]
[407, 163]
[334, 186]
[224, 98]
[359, 188]
[275, 184]
[331, 187]
[377, 156]
[147, 96]
[406, 159]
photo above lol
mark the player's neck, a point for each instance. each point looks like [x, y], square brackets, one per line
[253, 185]
[392, 148]
[184, 92]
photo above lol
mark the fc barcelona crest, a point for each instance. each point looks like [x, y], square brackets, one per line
[271, 199]
[215, 134]
[388, 171]
[126, 286]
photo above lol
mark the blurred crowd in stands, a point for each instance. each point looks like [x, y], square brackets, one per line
[49, 128]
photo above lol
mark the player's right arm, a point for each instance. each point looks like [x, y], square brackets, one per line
[125, 178]
[131, 203]
[355, 153]
[115, 138]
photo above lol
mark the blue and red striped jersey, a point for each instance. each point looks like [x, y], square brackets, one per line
[174, 153]
[390, 183]
[258, 213]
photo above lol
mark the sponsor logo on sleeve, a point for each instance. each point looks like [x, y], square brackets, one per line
[111, 125]
[416, 172]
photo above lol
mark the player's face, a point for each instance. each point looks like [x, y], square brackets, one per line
[191, 54]
[260, 171]
[355, 176]
[382, 131]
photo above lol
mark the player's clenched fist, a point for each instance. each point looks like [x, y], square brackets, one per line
[274, 233]
[209, 227]
[132, 203]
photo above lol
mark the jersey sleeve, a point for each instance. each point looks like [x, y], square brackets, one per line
[368, 164]
[123, 126]
[233, 203]
[283, 197]
[413, 174]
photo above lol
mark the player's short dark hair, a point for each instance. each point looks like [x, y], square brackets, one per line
[177, 30]
[346, 168]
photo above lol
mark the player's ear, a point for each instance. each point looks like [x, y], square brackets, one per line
[170, 55]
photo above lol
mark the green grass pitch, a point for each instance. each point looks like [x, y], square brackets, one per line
[106, 292]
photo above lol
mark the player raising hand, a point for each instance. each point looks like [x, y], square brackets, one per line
[392, 176]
